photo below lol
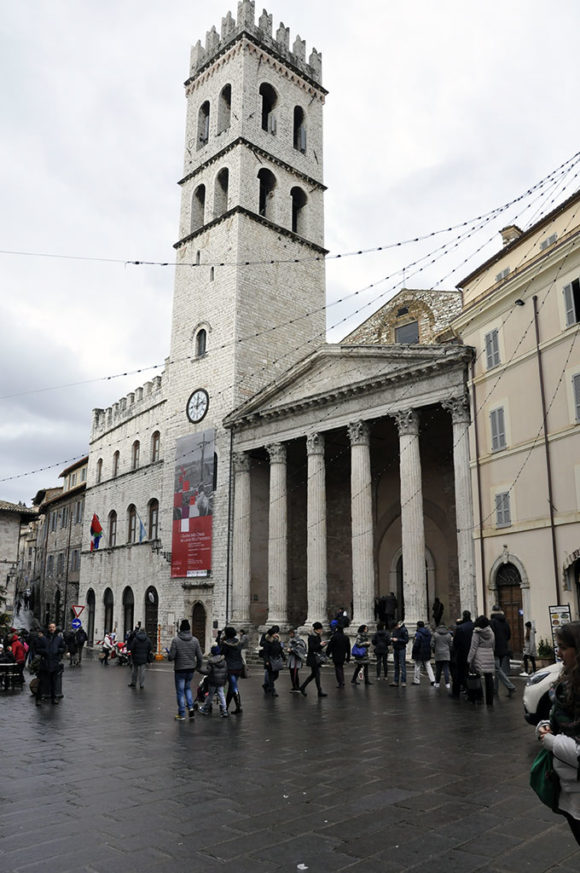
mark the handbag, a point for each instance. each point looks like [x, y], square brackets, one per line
[321, 658]
[358, 651]
[276, 664]
[544, 779]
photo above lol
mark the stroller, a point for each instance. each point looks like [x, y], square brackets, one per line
[201, 693]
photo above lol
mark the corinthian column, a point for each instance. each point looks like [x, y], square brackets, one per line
[278, 538]
[459, 408]
[412, 525]
[363, 576]
[241, 545]
[316, 533]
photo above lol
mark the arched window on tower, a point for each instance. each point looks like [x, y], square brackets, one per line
[221, 192]
[267, 181]
[153, 519]
[155, 447]
[131, 524]
[203, 125]
[116, 457]
[99, 470]
[269, 101]
[135, 455]
[112, 529]
[299, 135]
[224, 108]
[201, 343]
[198, 208]
[298, 203]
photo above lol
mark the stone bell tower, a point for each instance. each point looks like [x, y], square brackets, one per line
[249, 299]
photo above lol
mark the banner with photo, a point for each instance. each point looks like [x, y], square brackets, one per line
[193, 505]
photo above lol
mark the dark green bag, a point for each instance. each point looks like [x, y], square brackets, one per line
[544, 779]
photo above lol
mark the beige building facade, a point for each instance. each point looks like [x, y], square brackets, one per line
[521, 313]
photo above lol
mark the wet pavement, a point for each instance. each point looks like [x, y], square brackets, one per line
[368, 779]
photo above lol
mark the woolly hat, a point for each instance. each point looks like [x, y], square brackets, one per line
[229, 632]
[185, 625]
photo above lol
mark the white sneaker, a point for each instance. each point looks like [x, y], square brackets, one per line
[436, 684]
[524, 674]
[447, 685]
[416, 683]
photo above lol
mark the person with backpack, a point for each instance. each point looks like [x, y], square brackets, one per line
[399, 640]
[421, 653]
[360, 653]
[141, 654]
[296, 648]
[380, 641]
[80, 640]
[441, 644]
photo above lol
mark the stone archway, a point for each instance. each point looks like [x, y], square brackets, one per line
[128, 611]
[108, 603]
[509, 587]
[198, 623]
[151, 615]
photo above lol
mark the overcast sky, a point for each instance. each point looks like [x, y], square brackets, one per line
[437, 112]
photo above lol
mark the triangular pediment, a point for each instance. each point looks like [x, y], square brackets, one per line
[341, 370]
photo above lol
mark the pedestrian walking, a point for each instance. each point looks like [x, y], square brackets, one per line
[187, 657]
[461, 645]
[381, 639]
[217, 676]
[441, 644]
[421, 653]
[71, 647]
[231, 648]
[108, 646]
[480, 658]
[80, 640]
[360, 653]
[561, 734]
[141, 654]
[399, 640]
[314, 659]
[50, 647]
[338, 649]
[502, 652]
[530, 652]
[273, 660]
[297, 652]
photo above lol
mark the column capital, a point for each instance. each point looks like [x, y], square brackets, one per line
[277, 453]
[407, 422]
[241, 461]
[459, 409]
[315, 444]
[358, 433]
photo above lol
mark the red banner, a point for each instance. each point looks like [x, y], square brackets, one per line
[193, 505]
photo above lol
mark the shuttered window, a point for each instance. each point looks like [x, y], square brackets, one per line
[492, 348]
[572, 302]
[497, 429]
[576, 387]
[502, 509]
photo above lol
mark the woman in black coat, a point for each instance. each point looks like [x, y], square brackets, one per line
[313, 660]
[231, 649]
[339, 650]
[273, 655]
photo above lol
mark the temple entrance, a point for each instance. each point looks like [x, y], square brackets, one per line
[509, 599]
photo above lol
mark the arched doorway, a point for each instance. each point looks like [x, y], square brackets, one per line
[509, 599]
[90, 616]
[151, 615]
[198, 619]
[108, 603]
[128, 611]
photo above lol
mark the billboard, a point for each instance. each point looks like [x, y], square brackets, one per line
[193, 505]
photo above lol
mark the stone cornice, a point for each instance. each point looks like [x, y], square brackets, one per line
[242, 141]
[241, 210]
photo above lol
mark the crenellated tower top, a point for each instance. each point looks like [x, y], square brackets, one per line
[262, 32]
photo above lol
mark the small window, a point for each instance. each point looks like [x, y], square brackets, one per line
[112, 529]
[53, 520]
[502, 510]
[135, 455]
[198, 208]
[211, 274]
[84, 474]
[79, 506]
[75, 560]
[549, 241]
[404, 310]
[298, 203]
[224, 108]
[576, 389]
[155, 446]
[407, 333]
[572, 302]
[50, 565]
[267, 181]
[299, 136]
[201, 343]
[153, 519]
[221, 192]
[492, 348]
[60, 564]
[498, 440]
[99, 470]
[269, 101]
[131, 524]
[116, 457]
[64, 517]
[203, 125]
[73, 480]
[502, 275]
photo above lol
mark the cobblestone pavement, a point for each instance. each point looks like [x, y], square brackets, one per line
[367, 779]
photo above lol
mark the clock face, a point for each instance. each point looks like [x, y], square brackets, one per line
[197, 405]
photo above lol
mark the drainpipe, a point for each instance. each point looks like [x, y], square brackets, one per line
[479, 502]
[230, 522]
[547, 450]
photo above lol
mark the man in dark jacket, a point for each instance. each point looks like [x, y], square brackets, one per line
[80, 639]
[421, 653]
[185, 652]
[461, 645]
[399, 639]
[141, 650]
[501, 650]
[51, 647]
[338, 649]
[380, 641]
[315, 646]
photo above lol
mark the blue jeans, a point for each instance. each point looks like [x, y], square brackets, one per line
[232, 683]
[183, 690]
[400, 664]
